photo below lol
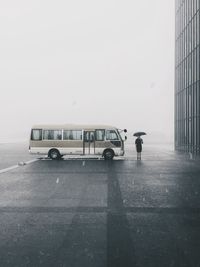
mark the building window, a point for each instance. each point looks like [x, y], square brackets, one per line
[198, 70]
[198, 27]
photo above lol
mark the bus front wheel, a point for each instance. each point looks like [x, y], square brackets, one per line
[54, 154]
[108, 154]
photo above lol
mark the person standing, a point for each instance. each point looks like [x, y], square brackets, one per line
[138, 143]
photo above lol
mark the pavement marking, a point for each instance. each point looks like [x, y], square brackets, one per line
[21, 163]
[18, 165]
[9, 168]
[31, 161]
[178, 210]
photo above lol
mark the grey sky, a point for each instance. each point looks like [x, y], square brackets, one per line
[109, 62]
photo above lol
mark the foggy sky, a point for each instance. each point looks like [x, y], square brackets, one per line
[109, 62]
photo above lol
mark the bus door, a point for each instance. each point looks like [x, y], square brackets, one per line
[89, 143]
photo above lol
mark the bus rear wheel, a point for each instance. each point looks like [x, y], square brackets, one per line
[108, 154]
[54, 154]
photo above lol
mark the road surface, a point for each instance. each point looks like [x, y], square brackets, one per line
[94, 213]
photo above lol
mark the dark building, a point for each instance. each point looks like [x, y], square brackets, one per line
[187, 75]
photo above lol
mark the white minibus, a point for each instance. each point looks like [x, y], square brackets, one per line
[68, 139]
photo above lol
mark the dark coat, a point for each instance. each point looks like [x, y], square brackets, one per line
[139, 143]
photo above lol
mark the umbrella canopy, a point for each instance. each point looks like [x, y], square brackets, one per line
[139, 134]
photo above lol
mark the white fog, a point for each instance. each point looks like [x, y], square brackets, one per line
[108, 62]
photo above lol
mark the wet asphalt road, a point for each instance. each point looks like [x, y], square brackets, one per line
[96, 213]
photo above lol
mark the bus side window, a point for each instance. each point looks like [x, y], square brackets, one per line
[72, 135]
[99, 135]
[111, 135]
[52, 134]
[36, 134]
[86, 136]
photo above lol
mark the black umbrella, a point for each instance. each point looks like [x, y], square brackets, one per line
[139, 134]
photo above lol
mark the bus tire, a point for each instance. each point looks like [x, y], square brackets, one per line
[54, 154]
[108, 154]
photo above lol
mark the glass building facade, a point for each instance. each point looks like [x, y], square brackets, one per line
[187, 76]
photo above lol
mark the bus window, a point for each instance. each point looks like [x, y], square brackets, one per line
[111, 135]
[99, 135]
[86, 136]
[89, 136]
[52, 134]
[36, 135]
[72, 135]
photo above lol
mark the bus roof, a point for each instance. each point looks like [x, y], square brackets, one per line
[73, 126]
